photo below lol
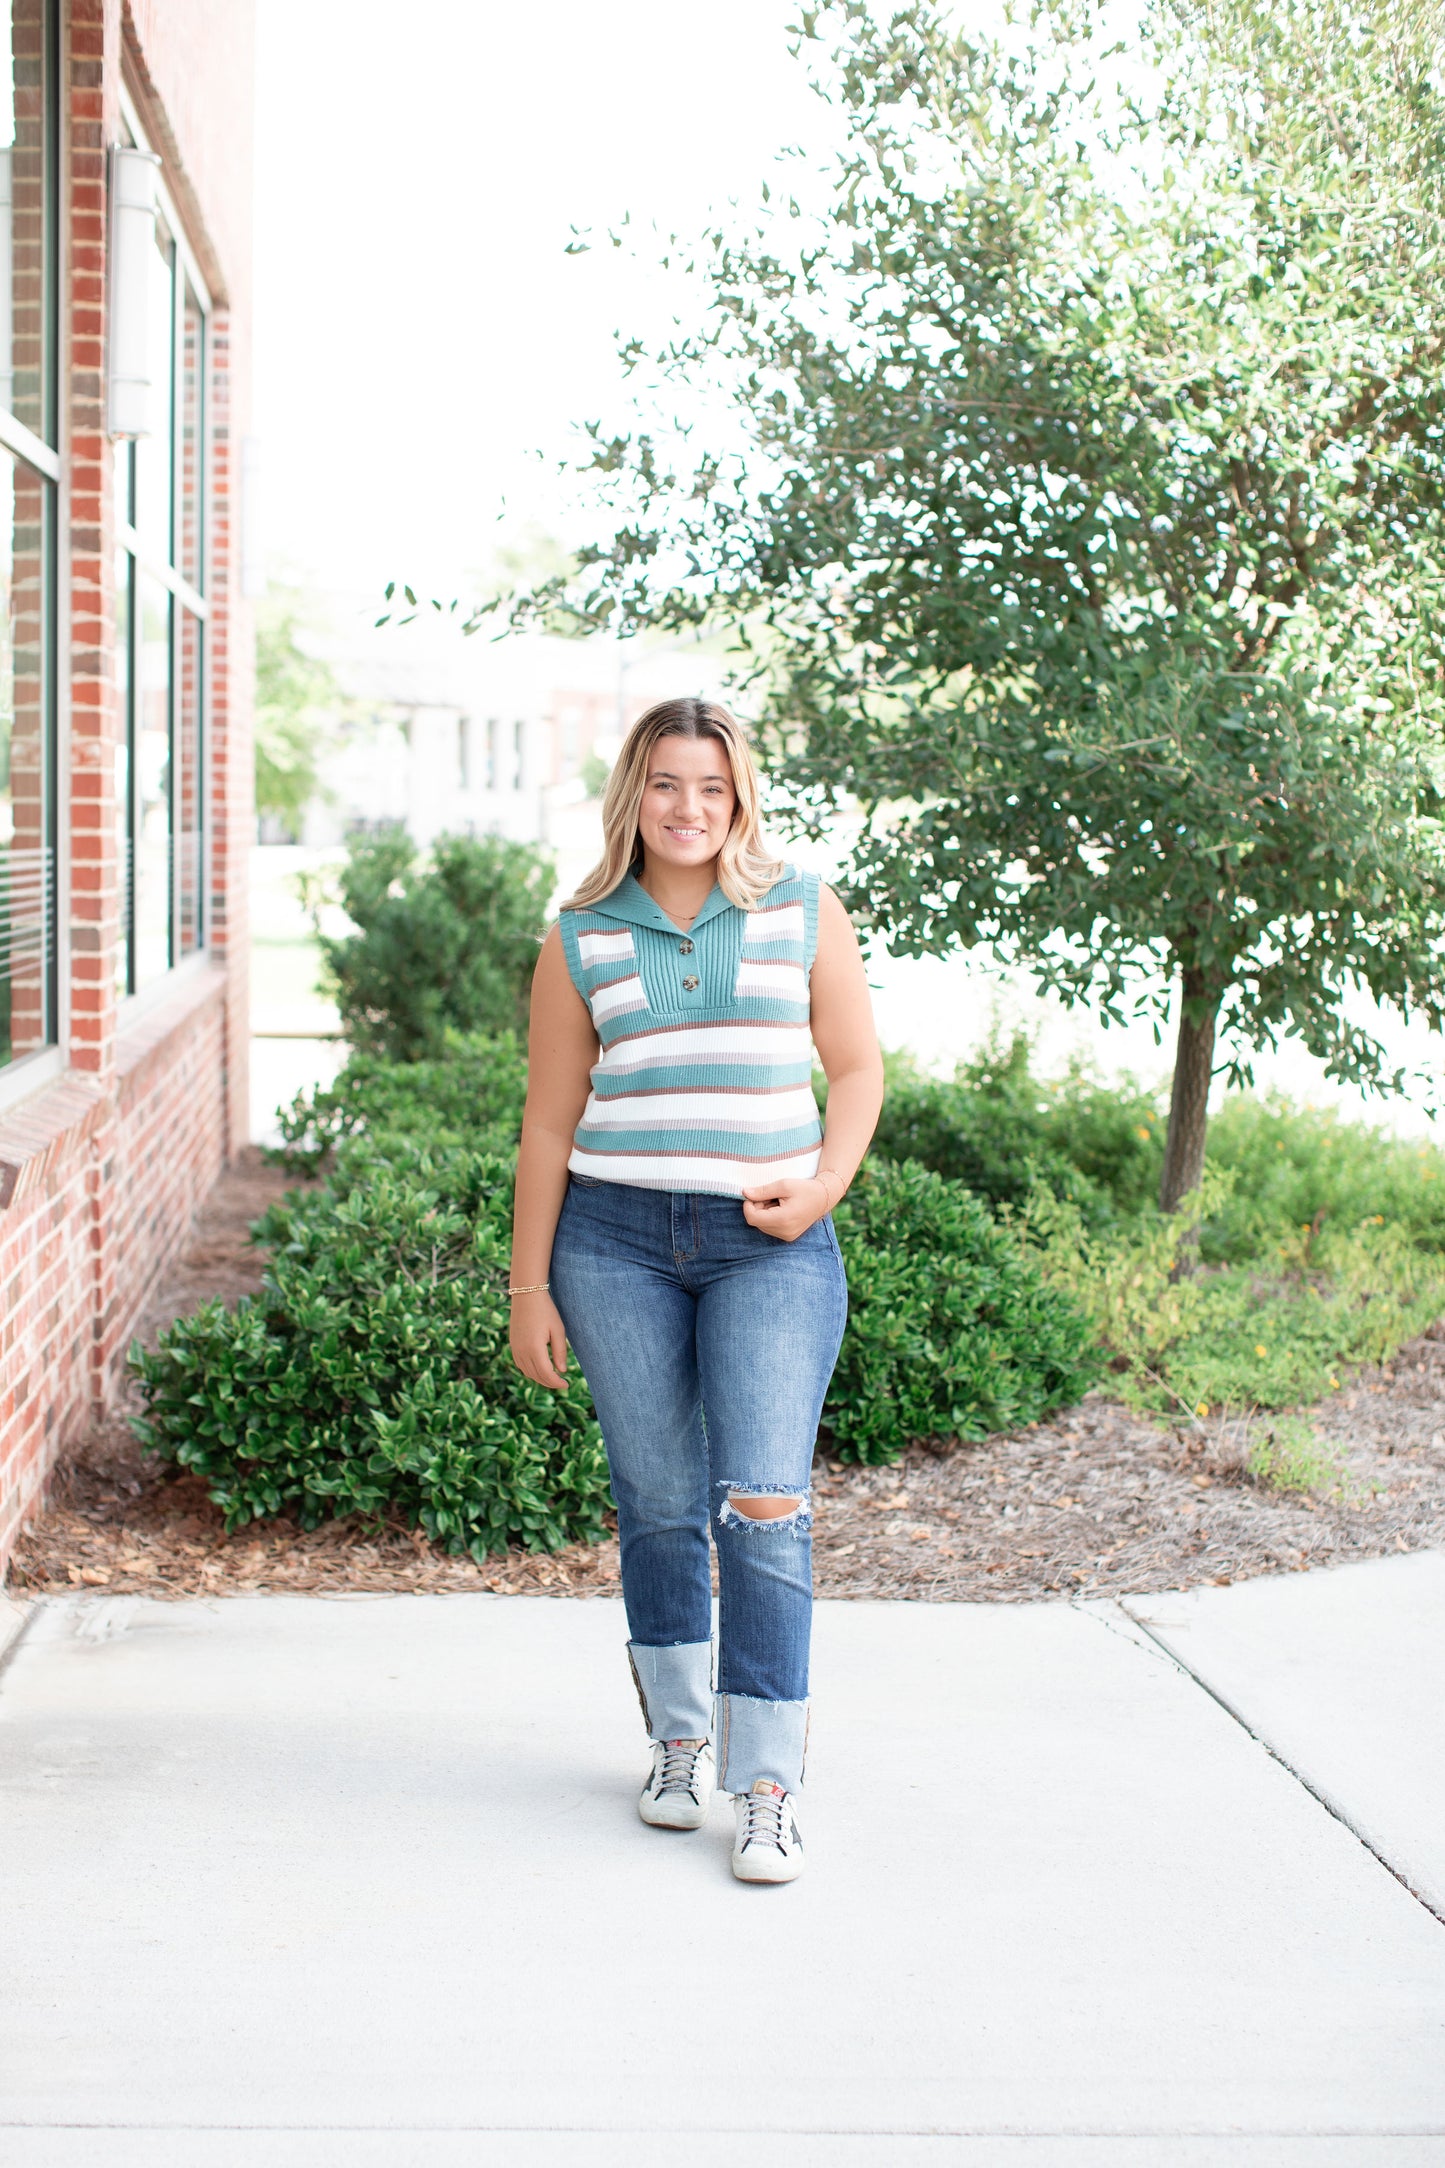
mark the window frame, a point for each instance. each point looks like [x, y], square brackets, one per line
[20, 1077]
[132, 998]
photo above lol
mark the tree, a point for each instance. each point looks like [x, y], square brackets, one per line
[1089, 533]
[298, 705]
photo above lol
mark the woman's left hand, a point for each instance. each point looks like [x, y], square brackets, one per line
[789, 1207]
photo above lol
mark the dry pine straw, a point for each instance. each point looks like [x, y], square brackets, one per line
[1096, 1499]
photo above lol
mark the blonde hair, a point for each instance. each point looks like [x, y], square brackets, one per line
[745, 869]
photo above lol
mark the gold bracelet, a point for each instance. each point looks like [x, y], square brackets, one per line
[542, 1290]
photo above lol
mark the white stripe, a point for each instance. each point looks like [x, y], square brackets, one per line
[770, 1044]
[784, 924]
[615, 1000]
[778, 982]
[605, 948]
[723, 1109]
[684, 1171]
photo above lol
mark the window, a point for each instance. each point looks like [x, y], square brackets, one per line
[29, 471]
[161, 608]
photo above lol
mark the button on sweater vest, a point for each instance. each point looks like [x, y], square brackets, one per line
[704, 1079]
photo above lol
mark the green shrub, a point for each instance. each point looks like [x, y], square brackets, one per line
[1268, 1334]
[1000, 1129]
[372, 1374]
[1111, 1134]
[951, 1330]
[1320, 1238]
[446, 946]
[1299, 1166]
[470, 1096]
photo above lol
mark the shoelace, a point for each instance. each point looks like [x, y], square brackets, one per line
[763, 1822]
[679, 1769]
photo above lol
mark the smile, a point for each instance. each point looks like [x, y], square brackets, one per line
[685, 834]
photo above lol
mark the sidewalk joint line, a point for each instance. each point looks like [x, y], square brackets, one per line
[1321, 1798]
[1135, 2133]
[12, 1647]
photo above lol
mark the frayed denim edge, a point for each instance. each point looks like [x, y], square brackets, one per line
[798, 1521]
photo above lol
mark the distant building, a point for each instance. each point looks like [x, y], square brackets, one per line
[125, 677]
[477, 736]
[438, 769]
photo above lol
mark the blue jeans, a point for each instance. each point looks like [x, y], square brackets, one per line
[708, 1347]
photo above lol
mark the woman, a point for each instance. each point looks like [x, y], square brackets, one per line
[672, 1220]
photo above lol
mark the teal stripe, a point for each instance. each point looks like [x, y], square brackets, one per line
[698, 1076]
[810, 884]
[567, 927]
[648, 1024]
[700, 1140]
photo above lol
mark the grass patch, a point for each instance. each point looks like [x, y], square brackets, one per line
[1291, 1456]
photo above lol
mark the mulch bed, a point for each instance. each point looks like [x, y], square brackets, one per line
[1095, 1500]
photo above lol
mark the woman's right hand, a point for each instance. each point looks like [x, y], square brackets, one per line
[539, 1340]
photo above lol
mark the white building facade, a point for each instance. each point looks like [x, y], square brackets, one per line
[480, 737]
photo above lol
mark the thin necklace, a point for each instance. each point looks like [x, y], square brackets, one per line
[681, 924]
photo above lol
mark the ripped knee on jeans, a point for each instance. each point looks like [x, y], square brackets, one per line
[760, 1506]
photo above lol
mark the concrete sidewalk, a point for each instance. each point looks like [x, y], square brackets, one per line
[1343, 1675]
[291, 1882]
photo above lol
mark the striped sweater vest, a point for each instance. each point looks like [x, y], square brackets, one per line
[704, 1077]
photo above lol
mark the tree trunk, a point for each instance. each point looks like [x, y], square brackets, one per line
[1189, 1098]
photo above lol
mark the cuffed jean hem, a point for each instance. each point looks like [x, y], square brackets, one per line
[674, 1686]
[761, 1739]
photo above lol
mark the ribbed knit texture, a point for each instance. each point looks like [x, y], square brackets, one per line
[703, 1085]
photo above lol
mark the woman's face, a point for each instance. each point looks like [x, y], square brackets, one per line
[688, 803]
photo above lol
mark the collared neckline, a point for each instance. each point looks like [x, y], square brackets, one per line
[630, 901]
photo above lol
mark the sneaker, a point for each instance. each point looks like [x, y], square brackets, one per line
[767, 1846]
[679, 1792]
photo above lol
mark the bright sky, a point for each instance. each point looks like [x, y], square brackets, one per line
[419, 326]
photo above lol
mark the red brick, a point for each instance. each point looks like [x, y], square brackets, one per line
[109, 1184]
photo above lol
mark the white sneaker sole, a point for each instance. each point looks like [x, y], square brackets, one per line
[768, 1867]
[672, 1813]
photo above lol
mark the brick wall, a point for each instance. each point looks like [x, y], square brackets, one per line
[47, 1283]
[154, 1163]
[102, 1170]
[90, 94]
